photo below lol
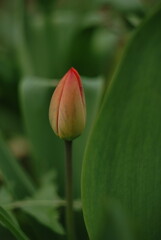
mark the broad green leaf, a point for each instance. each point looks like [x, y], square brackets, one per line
[7, 221]
[114, 223]
[123, 157]
[47, 215]
[16, 179]
[47, 148]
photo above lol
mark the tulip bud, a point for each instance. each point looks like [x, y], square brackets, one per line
[67, 112]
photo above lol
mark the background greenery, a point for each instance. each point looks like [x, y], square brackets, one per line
[39, 41]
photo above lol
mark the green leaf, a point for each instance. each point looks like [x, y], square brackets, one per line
[47, 215]
[123, 157]
[47, 148]
[16, 179]
[7, 221]
[5, 195]
[113, 223]
[50, 53]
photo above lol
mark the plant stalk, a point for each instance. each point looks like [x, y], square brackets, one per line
[69, 192]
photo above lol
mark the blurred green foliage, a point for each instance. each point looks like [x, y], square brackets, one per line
[39, 41]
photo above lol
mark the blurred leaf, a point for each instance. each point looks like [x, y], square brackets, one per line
[47, 215]
[46, 7]
[9, 121]
[18, 23]
[47, 148]
[125, 5]
[5, 196]
[123, 158]
[7, 221]
[49, 51]
[16, 179]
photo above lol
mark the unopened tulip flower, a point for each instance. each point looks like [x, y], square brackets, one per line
[67, 112]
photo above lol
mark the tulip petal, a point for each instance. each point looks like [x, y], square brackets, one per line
[67, 112]
[71, 119]
[54, 105]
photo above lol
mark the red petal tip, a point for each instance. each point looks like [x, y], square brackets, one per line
[74, 71]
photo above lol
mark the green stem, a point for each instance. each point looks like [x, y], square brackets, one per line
[69, 192]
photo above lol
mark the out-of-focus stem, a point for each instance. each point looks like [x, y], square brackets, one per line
[69, 192]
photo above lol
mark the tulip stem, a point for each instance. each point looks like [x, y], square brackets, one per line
[69, 192]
